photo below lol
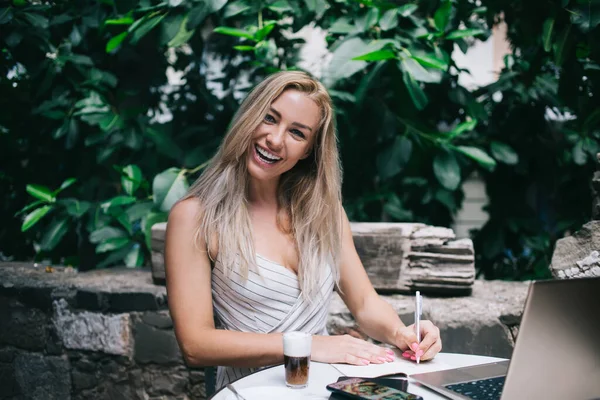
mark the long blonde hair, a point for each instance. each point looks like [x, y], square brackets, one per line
[309, 193]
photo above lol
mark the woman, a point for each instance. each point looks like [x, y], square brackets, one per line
[261, 240]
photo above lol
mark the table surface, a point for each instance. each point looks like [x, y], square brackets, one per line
[322, 374]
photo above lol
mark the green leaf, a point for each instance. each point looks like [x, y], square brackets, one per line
[244, 48]
[478, 155]
[431, 61]
[141, 27]
[447, 170]
[504, 153]
[317, 6]
[342, 26]
[464, 33]
[376, 55]
[442, 16]
[591, 121]
[561, 46]
[112, 244]
[119, 21]
[344, 96]
[122, 219]
[416, 70]
[118, 201]
[407, 9]
[225, 30]
[135, 257]
[237, 7]
[579, 155]
[131, 178]
[149, 221]
[6, 15]
[139, 210]
[29, 207]
[54, 233]
[41, 192]
[105, 233]
[369, 20]
[75, 207]
[64, 185]
[196, 16]
[115, 41]
[215, 5]
[417, 94]
[280, 7]
[79, 59]
[395, 209]
[32, 218]
[183, 35]
[36, 20]
[168, 187]
[393, 158]
[264, 31]
[164, 143]
[389, 20]
[342, 66]
[547, 34]
[459, 129]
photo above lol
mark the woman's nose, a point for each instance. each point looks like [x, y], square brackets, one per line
[275, 138]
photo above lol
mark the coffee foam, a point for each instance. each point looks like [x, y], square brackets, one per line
[297, 344]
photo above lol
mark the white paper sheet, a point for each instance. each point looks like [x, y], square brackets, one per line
[399, 365]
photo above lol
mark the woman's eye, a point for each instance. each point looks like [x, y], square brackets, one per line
[269, 118]
[298, 133]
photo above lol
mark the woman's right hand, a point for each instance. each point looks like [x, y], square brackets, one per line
[349, 350]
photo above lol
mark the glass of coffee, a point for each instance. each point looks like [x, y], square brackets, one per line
[296, 358]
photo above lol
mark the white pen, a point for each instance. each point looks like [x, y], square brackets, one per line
[418, 311]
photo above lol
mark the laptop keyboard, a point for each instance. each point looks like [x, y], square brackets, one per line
[488, 389]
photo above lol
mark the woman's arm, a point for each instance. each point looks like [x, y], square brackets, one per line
[375, 316]
[188, 274]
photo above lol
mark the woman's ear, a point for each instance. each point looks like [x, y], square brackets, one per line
[308, 151]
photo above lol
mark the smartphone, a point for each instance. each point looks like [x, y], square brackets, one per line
[361, 388]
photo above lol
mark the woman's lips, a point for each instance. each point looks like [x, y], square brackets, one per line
[260, 161]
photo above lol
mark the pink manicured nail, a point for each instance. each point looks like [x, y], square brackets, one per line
[390, 351]
[406, 355]
[390, 358]
[366, 362]
[382, 359]
[420, 353]
[413, 358]
[414, 346]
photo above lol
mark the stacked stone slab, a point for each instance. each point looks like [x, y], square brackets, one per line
[398, 257]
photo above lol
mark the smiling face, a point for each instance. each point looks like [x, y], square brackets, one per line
[284, 137]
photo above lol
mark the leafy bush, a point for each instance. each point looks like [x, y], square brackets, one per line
[88, 94]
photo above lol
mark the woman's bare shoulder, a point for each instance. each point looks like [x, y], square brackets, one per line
[187, 208]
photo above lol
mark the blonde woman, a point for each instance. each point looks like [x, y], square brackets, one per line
[261, 241]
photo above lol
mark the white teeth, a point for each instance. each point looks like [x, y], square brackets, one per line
[266, 154]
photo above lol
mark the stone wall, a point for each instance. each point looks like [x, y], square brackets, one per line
[96, 335]
[107, 334]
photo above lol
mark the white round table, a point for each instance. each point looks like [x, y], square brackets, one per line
[322, 374]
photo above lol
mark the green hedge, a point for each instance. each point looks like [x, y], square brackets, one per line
[96, 146]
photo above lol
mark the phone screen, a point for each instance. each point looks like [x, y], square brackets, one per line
[369, 390]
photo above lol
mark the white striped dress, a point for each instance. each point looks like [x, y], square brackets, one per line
[269, 301]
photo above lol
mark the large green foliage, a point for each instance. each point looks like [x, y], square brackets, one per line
[86, 95]
[547, 108]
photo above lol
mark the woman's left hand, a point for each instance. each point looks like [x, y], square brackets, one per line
[430, 345]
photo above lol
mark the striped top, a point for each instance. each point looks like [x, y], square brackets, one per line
[269, 301]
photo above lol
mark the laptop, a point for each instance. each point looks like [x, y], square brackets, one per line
[556, 355]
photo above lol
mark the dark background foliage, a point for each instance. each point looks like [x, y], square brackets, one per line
[97, 140]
